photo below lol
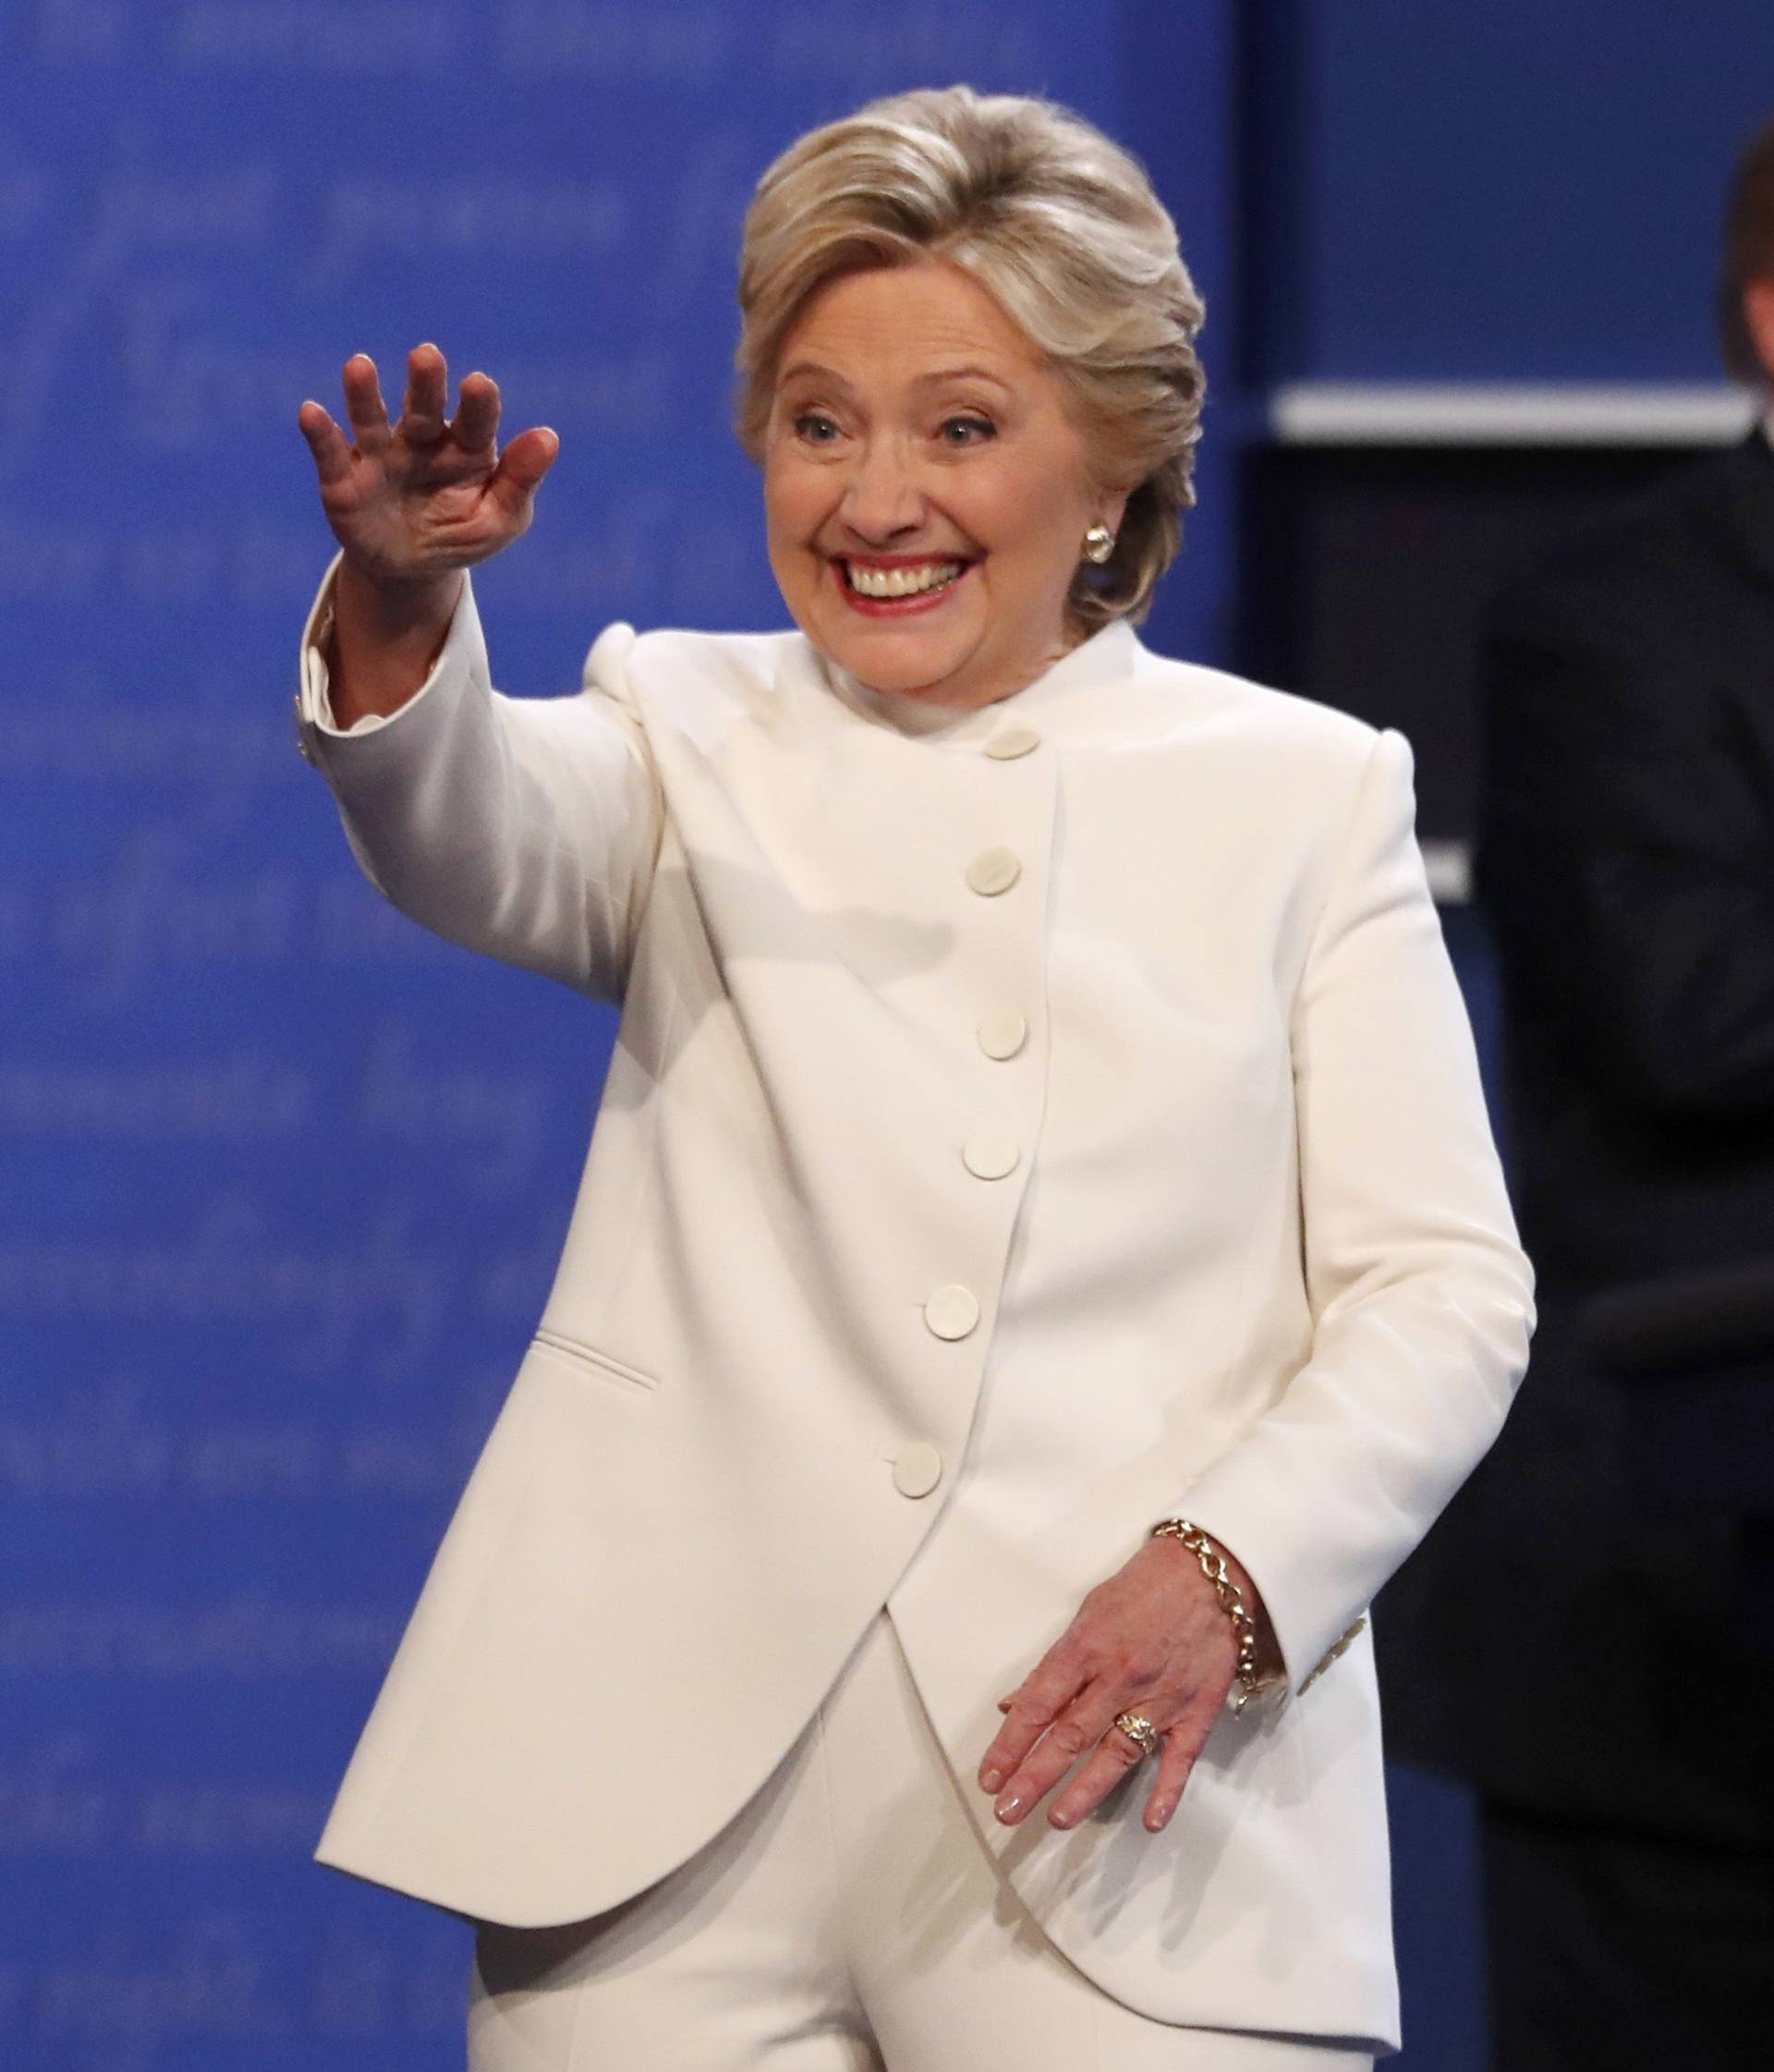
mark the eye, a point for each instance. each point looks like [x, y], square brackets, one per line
[965, 430]
[816, 427]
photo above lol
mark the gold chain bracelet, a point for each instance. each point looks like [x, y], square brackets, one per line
[1244, 1683]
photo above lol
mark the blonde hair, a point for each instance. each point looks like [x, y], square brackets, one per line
[1057, 223]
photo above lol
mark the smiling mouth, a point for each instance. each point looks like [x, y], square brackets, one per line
[887, 583]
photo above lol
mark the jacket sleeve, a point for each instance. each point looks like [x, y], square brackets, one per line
[1628, 863]
[1421, 1297]
[524, 828]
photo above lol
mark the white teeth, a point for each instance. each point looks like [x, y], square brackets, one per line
[902, 582]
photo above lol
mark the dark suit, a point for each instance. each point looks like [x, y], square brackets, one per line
[1556, 1642]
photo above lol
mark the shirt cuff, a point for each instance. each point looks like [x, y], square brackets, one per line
[319, 701]
[314, 700]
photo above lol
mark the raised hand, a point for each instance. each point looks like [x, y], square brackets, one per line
[417, 500]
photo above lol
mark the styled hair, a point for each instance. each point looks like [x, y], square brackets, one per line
[1054, 221]
[1748, 254]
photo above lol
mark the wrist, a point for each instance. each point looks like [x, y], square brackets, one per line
[393, 610]
[385, 639]
[1258, 1664]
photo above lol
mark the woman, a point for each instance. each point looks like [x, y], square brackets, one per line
[1044, 1113]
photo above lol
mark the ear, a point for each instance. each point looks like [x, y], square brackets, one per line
[1113, 507]
[1759, 321]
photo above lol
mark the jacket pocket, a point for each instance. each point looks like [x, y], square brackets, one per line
[603, 1366]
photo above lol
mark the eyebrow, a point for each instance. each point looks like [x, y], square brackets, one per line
[960, 375]
[932, 380]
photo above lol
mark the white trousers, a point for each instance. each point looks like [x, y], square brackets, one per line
[847, 1920]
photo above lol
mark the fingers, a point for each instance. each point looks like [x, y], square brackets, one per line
[1038, 1745]
[477, 414]
[1108, 1763]
[1175, 1760]
[428, 394]
[423, 422]
[1053, 1683]
[330, 448]
[1078, 1730]
[363, 403]
[1181, 1741]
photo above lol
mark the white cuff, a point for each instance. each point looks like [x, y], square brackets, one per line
[314, 715]
[319, 680]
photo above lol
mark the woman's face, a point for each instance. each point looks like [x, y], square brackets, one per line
[924, 492]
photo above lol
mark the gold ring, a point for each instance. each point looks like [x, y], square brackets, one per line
[1140, 1731]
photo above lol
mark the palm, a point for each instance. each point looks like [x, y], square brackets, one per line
[399, 509]
[415, 499]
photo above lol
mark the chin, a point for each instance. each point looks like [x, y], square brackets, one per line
[898, 659]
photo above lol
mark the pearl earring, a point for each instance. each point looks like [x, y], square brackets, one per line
[1098, 544]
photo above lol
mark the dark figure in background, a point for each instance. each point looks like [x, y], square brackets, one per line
[1561, 1642]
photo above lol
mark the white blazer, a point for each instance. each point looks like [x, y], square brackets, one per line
[1019, 1130]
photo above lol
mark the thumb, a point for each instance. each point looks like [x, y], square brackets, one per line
[521, 467]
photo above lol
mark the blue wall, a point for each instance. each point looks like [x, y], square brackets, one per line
[1511, 191]
[282, 1179]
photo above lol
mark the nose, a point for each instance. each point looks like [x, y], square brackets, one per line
[882, 500]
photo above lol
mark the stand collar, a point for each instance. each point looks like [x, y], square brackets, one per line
[1113, 652]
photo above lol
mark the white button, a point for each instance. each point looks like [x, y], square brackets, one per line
[1013, 741]
[952, 1311]
[990, 1154]
[993, 870]
[918, 1468]
[1002, 1035]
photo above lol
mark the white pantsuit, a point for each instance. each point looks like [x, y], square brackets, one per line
[1022, 1125]
[845, 1918]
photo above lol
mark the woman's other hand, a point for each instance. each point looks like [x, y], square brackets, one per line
[412, 504]
[1150, 1639]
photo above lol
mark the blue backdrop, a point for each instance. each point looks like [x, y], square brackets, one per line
[280, 1178]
